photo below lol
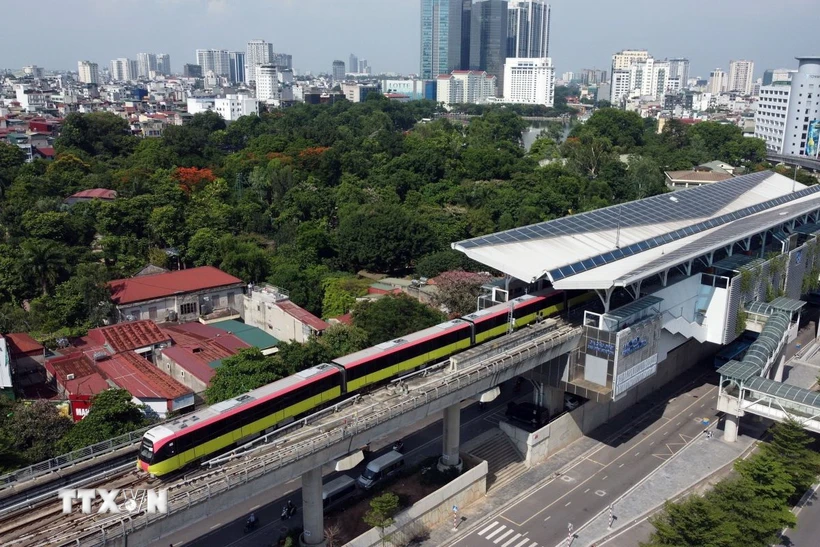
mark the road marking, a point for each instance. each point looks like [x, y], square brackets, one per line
[605, 476]
[256, 507]
[494, 532]
[533, 544]
[215, 526]
[515, 537]
[487, 529]
[548, 517]
[653, 442]
[582, 482]
[690, 414]
[587, 490]
[637, 454]
[502, 536]
[600, 493]
[525, 540]
[567, 505]
[677, 423]
[593, 461]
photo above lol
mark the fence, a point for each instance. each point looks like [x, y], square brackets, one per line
[72, 458]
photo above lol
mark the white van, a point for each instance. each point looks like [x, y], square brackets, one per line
[381, 467]
[337, 489]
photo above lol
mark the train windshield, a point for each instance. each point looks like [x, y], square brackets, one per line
[147, 451]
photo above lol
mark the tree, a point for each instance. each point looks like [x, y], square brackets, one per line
[791, 446]
[382, 510]
[35, 429]
[393, 316]
[11, 158]
[96, 134]
[756, 501]
[45, 261]
[693, 522]
[458, 291]
[343, 340]
[341, 294]
[438, 262]
[112, 413]
[382, 238]
[246, 370]
[645, 177]
[624, 130]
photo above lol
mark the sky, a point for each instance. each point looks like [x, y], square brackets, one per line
[386, 32]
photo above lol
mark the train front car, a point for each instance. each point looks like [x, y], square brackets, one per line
[395, 357]
[151, 448]
[203, 434]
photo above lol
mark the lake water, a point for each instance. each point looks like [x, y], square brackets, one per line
[531, 133]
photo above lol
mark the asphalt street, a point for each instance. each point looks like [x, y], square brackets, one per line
[542, 518]
[226, 529]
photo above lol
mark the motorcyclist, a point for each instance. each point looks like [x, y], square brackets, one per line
[291, 508]
[252, 519]
[398, 445]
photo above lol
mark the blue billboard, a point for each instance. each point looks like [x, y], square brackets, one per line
[812, 138]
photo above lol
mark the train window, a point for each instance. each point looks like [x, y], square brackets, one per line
[147, 450]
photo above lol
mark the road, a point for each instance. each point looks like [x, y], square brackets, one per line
[226, 529]
[594, 481]
[808, 524]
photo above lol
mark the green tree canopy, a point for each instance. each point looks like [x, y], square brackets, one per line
[394, 316]
[112, 413]
[246, 370]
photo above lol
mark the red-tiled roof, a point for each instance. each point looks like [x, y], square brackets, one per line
[95, 193]
[140, 378]
[148, 287]
[21, 342]
[129, 336]
[48, 152]
[86, 381]
[302, 315]
[345, 319]
[190, 362]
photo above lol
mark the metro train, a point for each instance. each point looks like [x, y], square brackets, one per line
[181, 442]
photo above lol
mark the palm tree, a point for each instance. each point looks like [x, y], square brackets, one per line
[45, 260]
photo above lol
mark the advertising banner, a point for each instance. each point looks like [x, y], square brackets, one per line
[813, 136]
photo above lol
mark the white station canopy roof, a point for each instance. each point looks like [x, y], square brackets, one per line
[620, 244]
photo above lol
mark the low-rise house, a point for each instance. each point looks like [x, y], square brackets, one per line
[182, 295]
[270, 309]
[197, 352]
[102, 194]
[679, 180]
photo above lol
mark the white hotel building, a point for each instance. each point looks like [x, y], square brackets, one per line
[529, 80]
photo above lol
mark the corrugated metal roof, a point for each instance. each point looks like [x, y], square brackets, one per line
[637, 306]
[252, 336]
[606, 235]
[787, 304]
[629, 270]
[148, 287]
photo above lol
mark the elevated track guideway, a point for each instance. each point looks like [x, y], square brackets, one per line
[323, 438]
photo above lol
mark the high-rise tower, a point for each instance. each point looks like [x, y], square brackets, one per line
[441, 36]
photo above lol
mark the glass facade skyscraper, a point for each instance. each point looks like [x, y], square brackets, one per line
[440, 37]
[488, 37]
[528, 28]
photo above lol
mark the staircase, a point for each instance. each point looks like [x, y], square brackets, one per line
[504, 463]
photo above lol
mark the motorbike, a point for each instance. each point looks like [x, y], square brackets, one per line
[251, 525]
[288, 511]
[398, 446]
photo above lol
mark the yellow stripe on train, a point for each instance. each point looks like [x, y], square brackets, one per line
[180, 460]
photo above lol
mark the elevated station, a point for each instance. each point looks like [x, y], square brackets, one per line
[701, 264]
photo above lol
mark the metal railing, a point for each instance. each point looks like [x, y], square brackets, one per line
[72, 458]
[341, 429]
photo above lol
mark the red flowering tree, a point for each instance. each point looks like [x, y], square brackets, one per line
[458, 290]
[190, 178]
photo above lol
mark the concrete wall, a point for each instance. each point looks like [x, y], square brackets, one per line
[571, 426]
[178, 373]
[433, 510]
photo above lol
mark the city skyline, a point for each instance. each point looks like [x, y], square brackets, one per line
[392, 42]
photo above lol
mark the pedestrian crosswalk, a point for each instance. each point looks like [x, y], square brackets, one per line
[505, 536]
